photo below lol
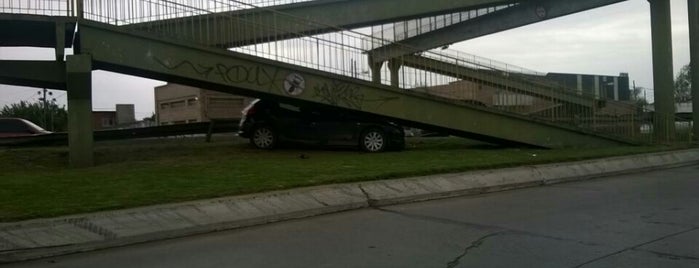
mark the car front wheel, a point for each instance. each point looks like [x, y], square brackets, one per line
[373, 141]
[263, 137]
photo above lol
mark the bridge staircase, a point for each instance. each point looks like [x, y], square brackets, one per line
[330, 69]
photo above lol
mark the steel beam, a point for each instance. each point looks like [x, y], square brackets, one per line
[18, 30]
[44, 74]
[527, 12]
[80, 135]
[115, 50]
[693, 6]
[663, 75]
[258, 25]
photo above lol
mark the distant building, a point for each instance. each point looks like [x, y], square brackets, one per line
[124, 116]
[490, 96]
[179, 104]
[601, 86]
[104, 120]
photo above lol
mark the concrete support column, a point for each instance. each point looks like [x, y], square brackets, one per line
[79, 8]
[79, 87]
[394, 66]
[694, 50]
[60, 40]
[663, 74]
[375, 71]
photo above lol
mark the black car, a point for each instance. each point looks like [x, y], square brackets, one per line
[267, 124]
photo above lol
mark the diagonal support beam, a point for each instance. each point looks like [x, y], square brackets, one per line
[527, 12]
[494, 79]
[45, 74]
[259, 25]
[251, 76]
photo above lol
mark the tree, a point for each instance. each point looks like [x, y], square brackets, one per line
[150, 118]
[638, 95]
[52, 117]
[683, 85]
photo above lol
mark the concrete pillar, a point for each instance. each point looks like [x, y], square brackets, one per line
[394, 66]
[694, 50]
[616, 88]
[79, 8]
[375, 71]
[597, 89]
[79, 87]
[580, 84]
[663, 74]
[60, 40]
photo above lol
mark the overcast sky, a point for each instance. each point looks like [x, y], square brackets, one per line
[604, 41]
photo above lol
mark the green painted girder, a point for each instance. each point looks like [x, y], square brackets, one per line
[17, 30]
[511, 82]
[526, 13]
[117, 50]
[260, 25]
[42, 74]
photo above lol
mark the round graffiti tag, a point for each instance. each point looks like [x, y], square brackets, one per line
[294, 84]
[541, 12]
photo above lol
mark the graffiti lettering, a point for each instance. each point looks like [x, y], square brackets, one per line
[343, 94]
[243, 74]
[230, 74]
[340, 94]
[200, 70]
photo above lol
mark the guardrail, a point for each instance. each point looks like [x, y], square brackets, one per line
[61, 138]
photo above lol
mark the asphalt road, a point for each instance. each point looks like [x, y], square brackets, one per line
[642, 220]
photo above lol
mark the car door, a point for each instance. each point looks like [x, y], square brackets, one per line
[296, 124]
[335, 127]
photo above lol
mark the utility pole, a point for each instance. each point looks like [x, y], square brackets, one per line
[44, 119]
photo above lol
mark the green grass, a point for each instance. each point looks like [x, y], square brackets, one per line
[36, 182]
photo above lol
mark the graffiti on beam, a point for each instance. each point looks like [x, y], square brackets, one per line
[348, 95]
[199, 69]
[229, 74]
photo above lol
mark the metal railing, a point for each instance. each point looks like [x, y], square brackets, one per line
[402, 30]
[38, 7]
[452, 76]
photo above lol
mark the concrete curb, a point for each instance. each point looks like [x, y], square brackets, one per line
[40, 238]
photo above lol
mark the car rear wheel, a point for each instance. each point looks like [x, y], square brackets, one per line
[263, 137]
[373, 141]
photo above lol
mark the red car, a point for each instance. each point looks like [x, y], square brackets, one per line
[17, 127]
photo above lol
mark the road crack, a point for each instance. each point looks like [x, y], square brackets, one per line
[474, 245]
[668, 255]
[635, 247]
[443, 220]
[370, 201]
[319, 201]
